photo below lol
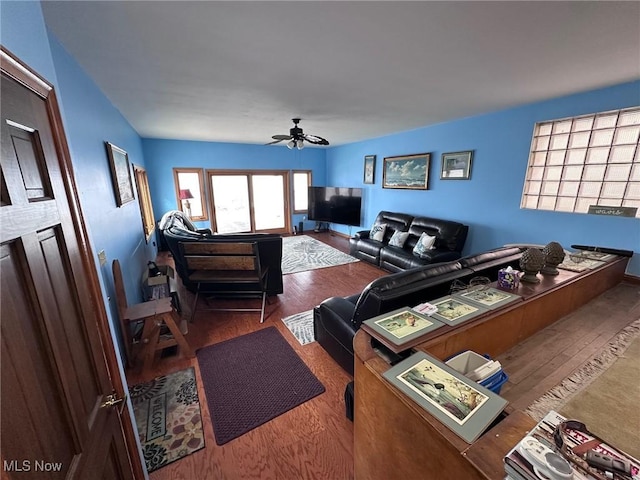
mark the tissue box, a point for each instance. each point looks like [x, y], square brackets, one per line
[509, 279]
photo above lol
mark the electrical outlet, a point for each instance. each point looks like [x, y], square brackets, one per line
[102, 257]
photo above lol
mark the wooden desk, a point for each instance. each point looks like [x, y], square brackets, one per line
[395, 438]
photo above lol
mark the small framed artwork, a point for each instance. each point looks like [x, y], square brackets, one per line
[453, 311]
[407, 171]
[369, 169]
[120, 174]
[456, 165]
[465, 407]
[400, 329]
[488, 297]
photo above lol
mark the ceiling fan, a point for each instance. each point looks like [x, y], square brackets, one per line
[297, 137]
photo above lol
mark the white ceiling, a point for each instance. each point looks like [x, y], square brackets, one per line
[239, 71]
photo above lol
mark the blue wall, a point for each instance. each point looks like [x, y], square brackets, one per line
[490, 201]
[163, 155]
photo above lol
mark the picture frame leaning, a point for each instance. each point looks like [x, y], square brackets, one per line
[120, 174]
[465, 407]
[456, 165]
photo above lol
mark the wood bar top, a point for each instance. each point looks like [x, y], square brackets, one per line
[493, 333]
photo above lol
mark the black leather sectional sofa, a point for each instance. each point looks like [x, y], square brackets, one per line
[450, 239]
[175, 227]
[336, 320]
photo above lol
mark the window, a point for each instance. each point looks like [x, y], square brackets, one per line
[189, 184]
[249, 201]
[144, 199]
[578, 163]
[301, 184]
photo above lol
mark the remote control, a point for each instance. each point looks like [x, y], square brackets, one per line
[545, 462]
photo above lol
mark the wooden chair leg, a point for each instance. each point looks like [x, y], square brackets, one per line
[150, 337]
[169, 320]
[195, 304]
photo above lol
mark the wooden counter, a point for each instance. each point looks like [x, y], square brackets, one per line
[396, 438]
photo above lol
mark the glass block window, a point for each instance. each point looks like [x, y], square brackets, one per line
[581, 162]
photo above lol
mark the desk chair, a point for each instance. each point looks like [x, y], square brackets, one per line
[229, 269]
[154, 314]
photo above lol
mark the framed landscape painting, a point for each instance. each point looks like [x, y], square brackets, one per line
[407, 171]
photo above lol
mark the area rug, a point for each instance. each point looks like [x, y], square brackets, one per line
[603, 393]
[301, 253]
[167, 412]
[252, 379]
[301, 325]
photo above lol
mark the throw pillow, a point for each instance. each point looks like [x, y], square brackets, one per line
[424, 243]
[377, 232]
[398, 239]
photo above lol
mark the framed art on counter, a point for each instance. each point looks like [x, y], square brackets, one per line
[488, 297]
[453, 311]
[465, 407]
[400, 329]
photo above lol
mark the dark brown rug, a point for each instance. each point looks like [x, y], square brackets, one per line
[252, 379]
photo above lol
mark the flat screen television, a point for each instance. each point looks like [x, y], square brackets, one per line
[335, 205]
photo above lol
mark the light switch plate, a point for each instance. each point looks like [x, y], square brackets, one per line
[102, 257]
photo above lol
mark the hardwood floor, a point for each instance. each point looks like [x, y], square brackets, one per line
[545, 359]
[312, 441]
[315, 440]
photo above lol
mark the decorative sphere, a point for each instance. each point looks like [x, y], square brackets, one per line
[531, 262]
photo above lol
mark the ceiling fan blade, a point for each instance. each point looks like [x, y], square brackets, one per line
[282, 137]
[315, 139]
[275, 141]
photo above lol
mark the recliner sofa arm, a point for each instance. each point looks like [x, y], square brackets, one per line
[362, 234]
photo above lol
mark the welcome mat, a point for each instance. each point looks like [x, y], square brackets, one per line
[252, 379]
[167, 412]
[301, 253]
[301, 325]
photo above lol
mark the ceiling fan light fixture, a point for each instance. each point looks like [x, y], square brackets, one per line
[291, 144]
[300, 144]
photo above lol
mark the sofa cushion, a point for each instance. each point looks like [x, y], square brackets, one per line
[425, 243]
[398, 238]
[377, 232]
[450, 235]
[394, 222]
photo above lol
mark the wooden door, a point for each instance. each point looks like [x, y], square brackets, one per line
[54, 354]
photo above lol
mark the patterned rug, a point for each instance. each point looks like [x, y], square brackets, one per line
[252, 379]
[301, 325]
[301, 253]
[167, 412]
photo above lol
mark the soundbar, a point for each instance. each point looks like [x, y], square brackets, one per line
[613, 251]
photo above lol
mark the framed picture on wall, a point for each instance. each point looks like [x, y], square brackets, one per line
[369, 169]
[120, 174]
[456, 165]
[407, 171]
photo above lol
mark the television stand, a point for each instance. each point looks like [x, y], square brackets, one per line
[321, 227]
